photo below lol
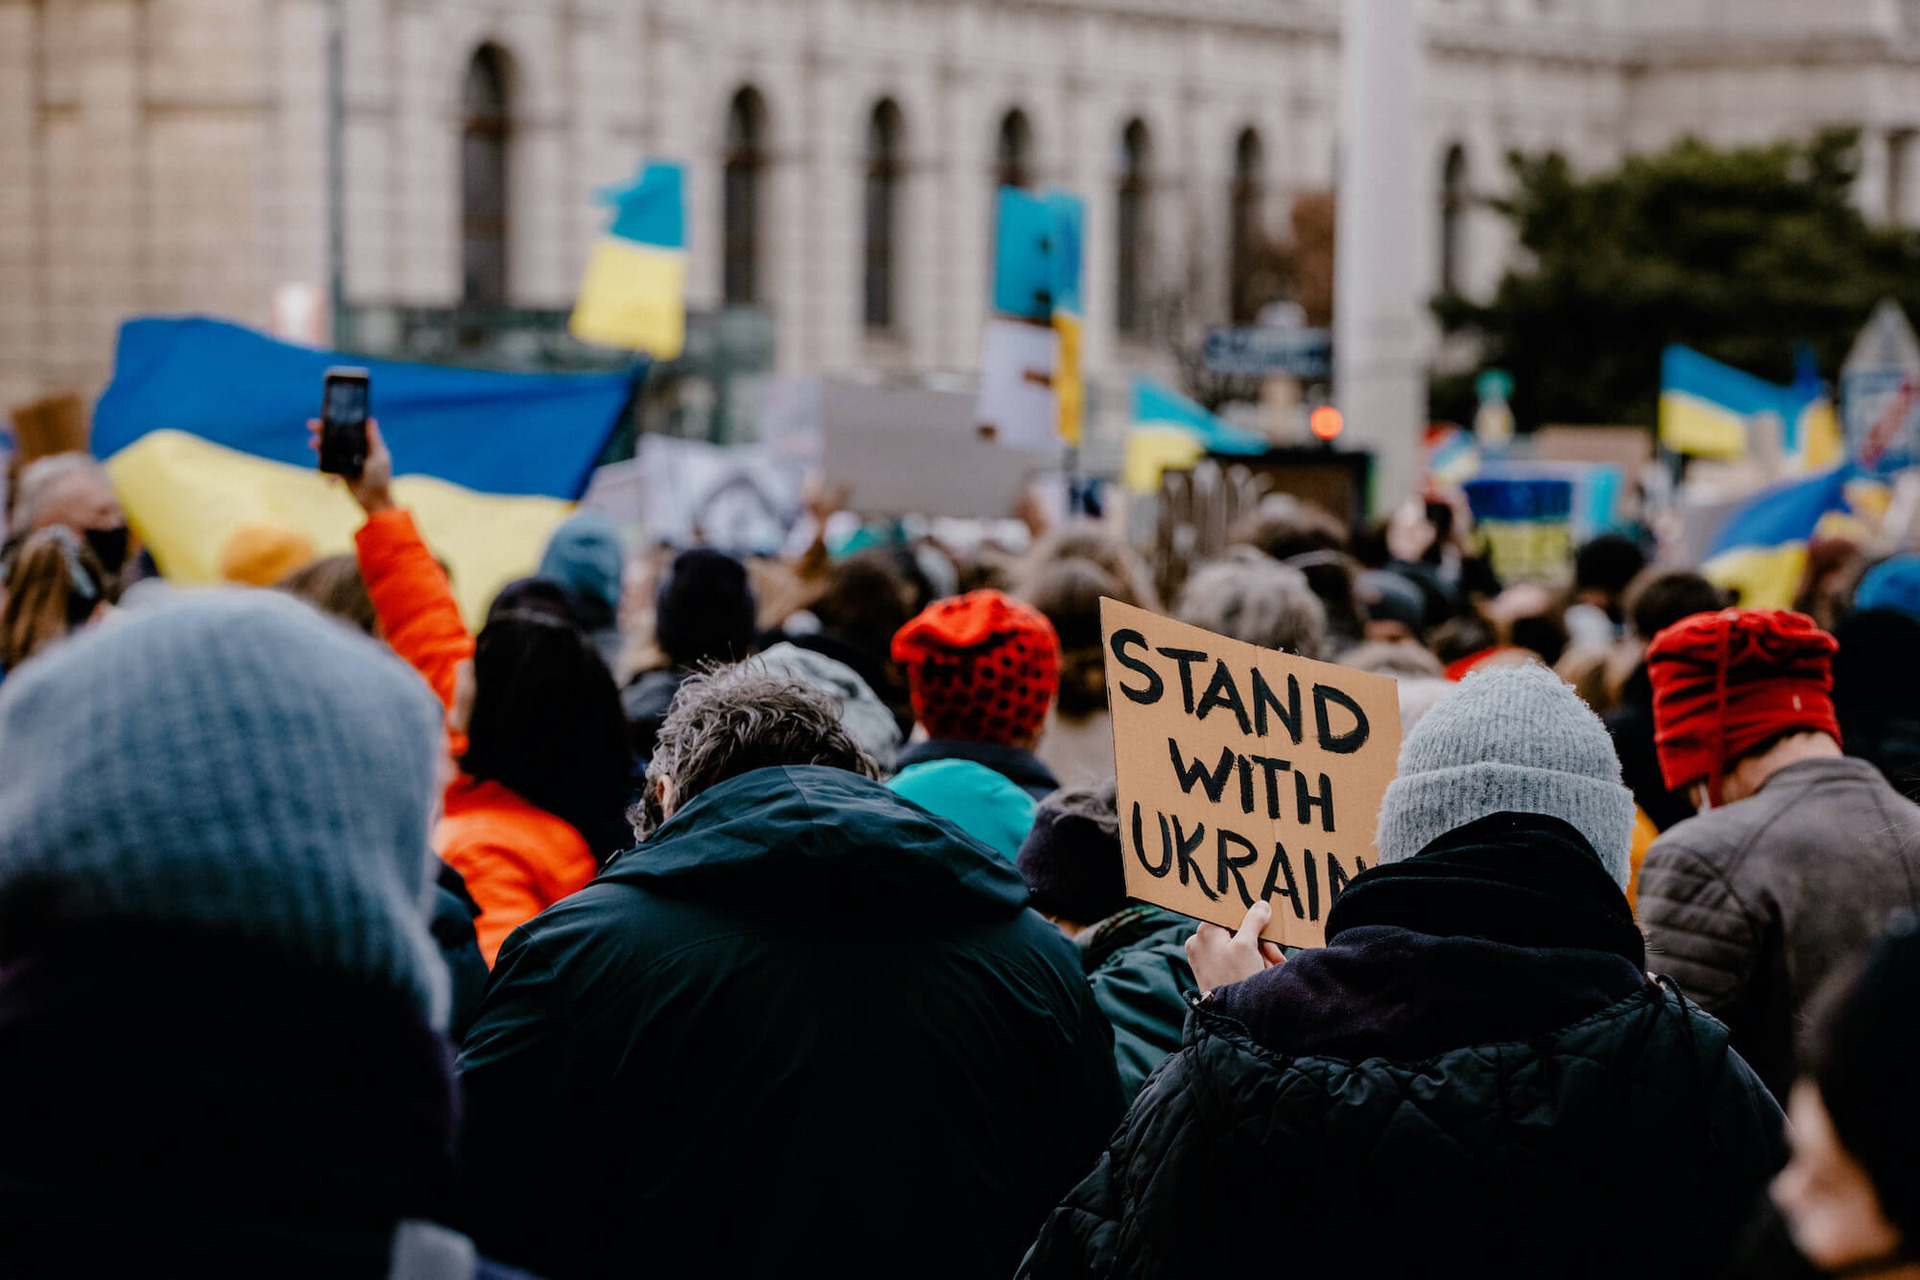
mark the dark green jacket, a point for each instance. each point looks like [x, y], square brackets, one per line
[1136, 960]
[805, 1029]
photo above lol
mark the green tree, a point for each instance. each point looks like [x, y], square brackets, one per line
[1740, 253]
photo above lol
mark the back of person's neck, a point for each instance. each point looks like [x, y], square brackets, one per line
[1752, 772]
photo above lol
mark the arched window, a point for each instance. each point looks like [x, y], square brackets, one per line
[884, 168]
[1246, 214]
[745, 168]
[1013, 158]
[1132, 231]
[1453, 216]
[483, 180]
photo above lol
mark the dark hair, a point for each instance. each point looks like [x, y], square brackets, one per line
[866, 600]
[1086, 540]
[334, 586]
[1285, 526]
[732, 720]
[1462, 637]
[1544, 633]
[541, 596]
[1608, 563]
[1068, 592]
[1658, 598]
[54, 583]
[547, 725]
[704, 611]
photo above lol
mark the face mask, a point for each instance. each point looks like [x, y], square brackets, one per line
[110, 546]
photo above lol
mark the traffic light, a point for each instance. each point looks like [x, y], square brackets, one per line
[1326, 423]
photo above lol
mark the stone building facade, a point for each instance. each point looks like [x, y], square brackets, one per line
[172, 155]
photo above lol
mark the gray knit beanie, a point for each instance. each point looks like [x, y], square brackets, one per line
[234, 761]
[1512, 739]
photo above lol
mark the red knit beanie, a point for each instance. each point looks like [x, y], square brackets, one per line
[1725, 683]
[982, 667]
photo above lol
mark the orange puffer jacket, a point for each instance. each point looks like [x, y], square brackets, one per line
[517, 859]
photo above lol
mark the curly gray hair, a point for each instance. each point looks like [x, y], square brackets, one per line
[731, 720]
[1250, 596]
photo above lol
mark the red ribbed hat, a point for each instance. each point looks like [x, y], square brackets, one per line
[1725, 683]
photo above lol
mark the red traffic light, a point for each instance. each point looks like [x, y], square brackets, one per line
[1326, 422]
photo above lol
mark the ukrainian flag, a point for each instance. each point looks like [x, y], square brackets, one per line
[1171, 432]
[203, 431]
[1761, 548]
[634, 293]
[1707, 408]
[1069, 382]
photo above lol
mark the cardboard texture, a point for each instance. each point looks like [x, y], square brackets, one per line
[1243, 772]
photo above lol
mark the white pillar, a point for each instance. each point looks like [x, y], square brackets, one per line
[1379, 284]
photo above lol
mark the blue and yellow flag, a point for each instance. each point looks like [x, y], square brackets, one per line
[634, 293]
[1707, 409]
[1761, 548]
[1069, 382]
[1171, 432]
[203, 430]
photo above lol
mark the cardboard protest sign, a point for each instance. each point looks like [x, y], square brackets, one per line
[1244, 773]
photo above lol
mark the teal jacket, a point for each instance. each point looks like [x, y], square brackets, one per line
[1136, 960]
[806, 1028]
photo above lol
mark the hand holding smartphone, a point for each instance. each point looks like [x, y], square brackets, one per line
[344, 407]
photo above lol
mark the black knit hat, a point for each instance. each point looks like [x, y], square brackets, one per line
[1071, 857]
[704, 612]
[1863, 1063]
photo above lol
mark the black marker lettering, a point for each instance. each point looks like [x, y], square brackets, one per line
[1140, 848]
[1149, 695]
[1313, 885]
[1289, 715]
[1186, 658]
[1352, 740]
[1221, 838]
[1281, 866]
[1223, 679]
[1183, 849]
[1308, 800]
[1273, 769]
[1214, 784]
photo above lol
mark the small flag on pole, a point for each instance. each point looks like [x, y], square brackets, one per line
[634, 293]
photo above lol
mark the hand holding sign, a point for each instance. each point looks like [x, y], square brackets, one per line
[1219, 958]
[1246, 775]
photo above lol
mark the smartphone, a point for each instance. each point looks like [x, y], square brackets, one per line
[343, 423]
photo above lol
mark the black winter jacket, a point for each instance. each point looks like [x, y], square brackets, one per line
[1406, 1103]
[806, 1028]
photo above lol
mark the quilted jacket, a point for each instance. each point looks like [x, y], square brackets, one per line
[1749, 907]
[1400, 1103]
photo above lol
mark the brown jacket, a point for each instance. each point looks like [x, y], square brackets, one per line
[1748, 907]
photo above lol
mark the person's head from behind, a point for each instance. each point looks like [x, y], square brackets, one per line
[1396, 608]
[1071, 859]
[1252, 597]
[542, 717]
[1508, 740]
[733, 720]
[333, 585]
[1068, 592]
[55, 585]
[215, 899]
[704, 611]
[865, 602]
[1087, 540]
[1602, 569]
[1851, 1193]
[1658, 598]
[982, 667]
[1738, 694]
[1284, 526]
[72, 489]
[586, 557]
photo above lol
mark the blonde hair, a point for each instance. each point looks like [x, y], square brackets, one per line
[54, 583]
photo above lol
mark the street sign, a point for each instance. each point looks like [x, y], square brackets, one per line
[1268, 352]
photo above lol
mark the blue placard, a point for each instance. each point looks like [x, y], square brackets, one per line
[1268, 352]
[1023, 280]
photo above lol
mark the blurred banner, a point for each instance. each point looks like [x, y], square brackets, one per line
[1761, 548]
[203, 430]
[634, 293]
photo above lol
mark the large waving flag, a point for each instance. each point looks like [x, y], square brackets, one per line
[1707, 408]
[1761, 548]
[1171, 432]
[203, 430]
[634, 293]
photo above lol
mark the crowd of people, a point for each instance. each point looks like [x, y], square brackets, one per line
[707, 916]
